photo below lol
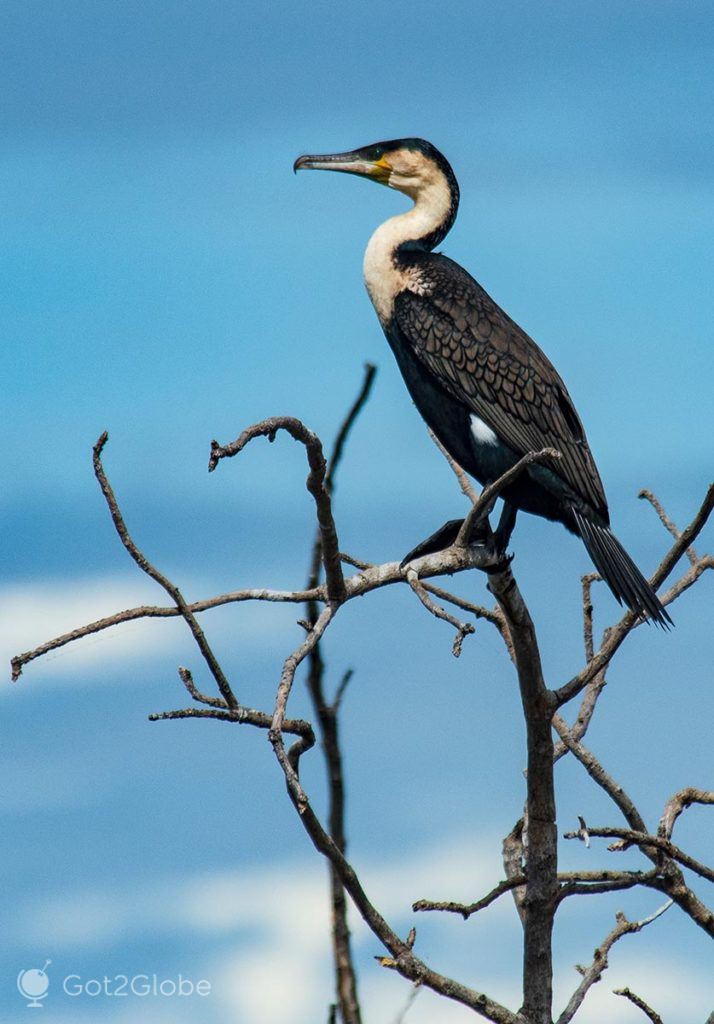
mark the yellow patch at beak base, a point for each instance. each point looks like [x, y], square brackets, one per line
[382, 170]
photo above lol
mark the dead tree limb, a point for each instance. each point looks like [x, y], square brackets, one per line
[600, 962]
[316, 485]
[639, 1003]
[327, 715]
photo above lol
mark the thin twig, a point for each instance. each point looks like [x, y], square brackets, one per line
[586, 711]
[639, 1003]
[588, 881]
[587, 584]
[630, 837]
[341, 689]
[486, 500]
[315, 484]
[292, 662]
[159, 612]
[628, 622]
[187, 680]
[666, 521]
[370, 372]
[600, 962]
[467, 909]
[671, 881]
[402, 1015]
[403, 958]
[243, 716]
[679, 802]
[327, 715]
[145, 565]
[463, 629]
[467, 489]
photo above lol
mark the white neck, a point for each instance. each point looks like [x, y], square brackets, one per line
[384, 280]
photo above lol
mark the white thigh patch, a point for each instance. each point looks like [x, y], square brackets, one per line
[482, 433]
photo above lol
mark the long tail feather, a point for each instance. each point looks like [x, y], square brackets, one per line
[619, 571]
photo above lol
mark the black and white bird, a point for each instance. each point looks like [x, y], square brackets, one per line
[481, 383]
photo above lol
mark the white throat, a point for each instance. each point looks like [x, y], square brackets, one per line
[384, 280]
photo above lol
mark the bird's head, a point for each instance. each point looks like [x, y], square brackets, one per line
[412, 166]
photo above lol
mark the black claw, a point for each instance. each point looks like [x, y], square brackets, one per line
[500, 563]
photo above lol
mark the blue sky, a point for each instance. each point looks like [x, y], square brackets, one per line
[166, 277]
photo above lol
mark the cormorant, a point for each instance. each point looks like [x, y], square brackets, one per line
[481, 383]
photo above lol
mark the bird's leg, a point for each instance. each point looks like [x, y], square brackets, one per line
[505, 527]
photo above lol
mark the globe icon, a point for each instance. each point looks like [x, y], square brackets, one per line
[34, 985]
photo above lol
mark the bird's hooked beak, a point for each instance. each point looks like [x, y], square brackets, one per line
[348, 163]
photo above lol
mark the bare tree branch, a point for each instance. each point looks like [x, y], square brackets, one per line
[370, 577]
[541, 853]
[600, 962]
[370, 372]
[592, 882]
[628, 622]
[639, 1003]
[467, 909]
[587, 584]
[243, 716]
[187, 680]
[345, 975]
[671, 881]
[667, 522]
[492, 615]
[159, 612]
[463, 629]
[596, 772]
[171, 589]
[292, 662]
[467, 488]
[628, 838]
[612, 881]
[486, 500]
[678, 803]
[315, 485]
[591, 693]
[403, 959]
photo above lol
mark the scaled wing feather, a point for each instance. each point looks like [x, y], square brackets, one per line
[484, 359]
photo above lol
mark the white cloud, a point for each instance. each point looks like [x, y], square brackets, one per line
[256, 897]
[277, 968]
[33, 613]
